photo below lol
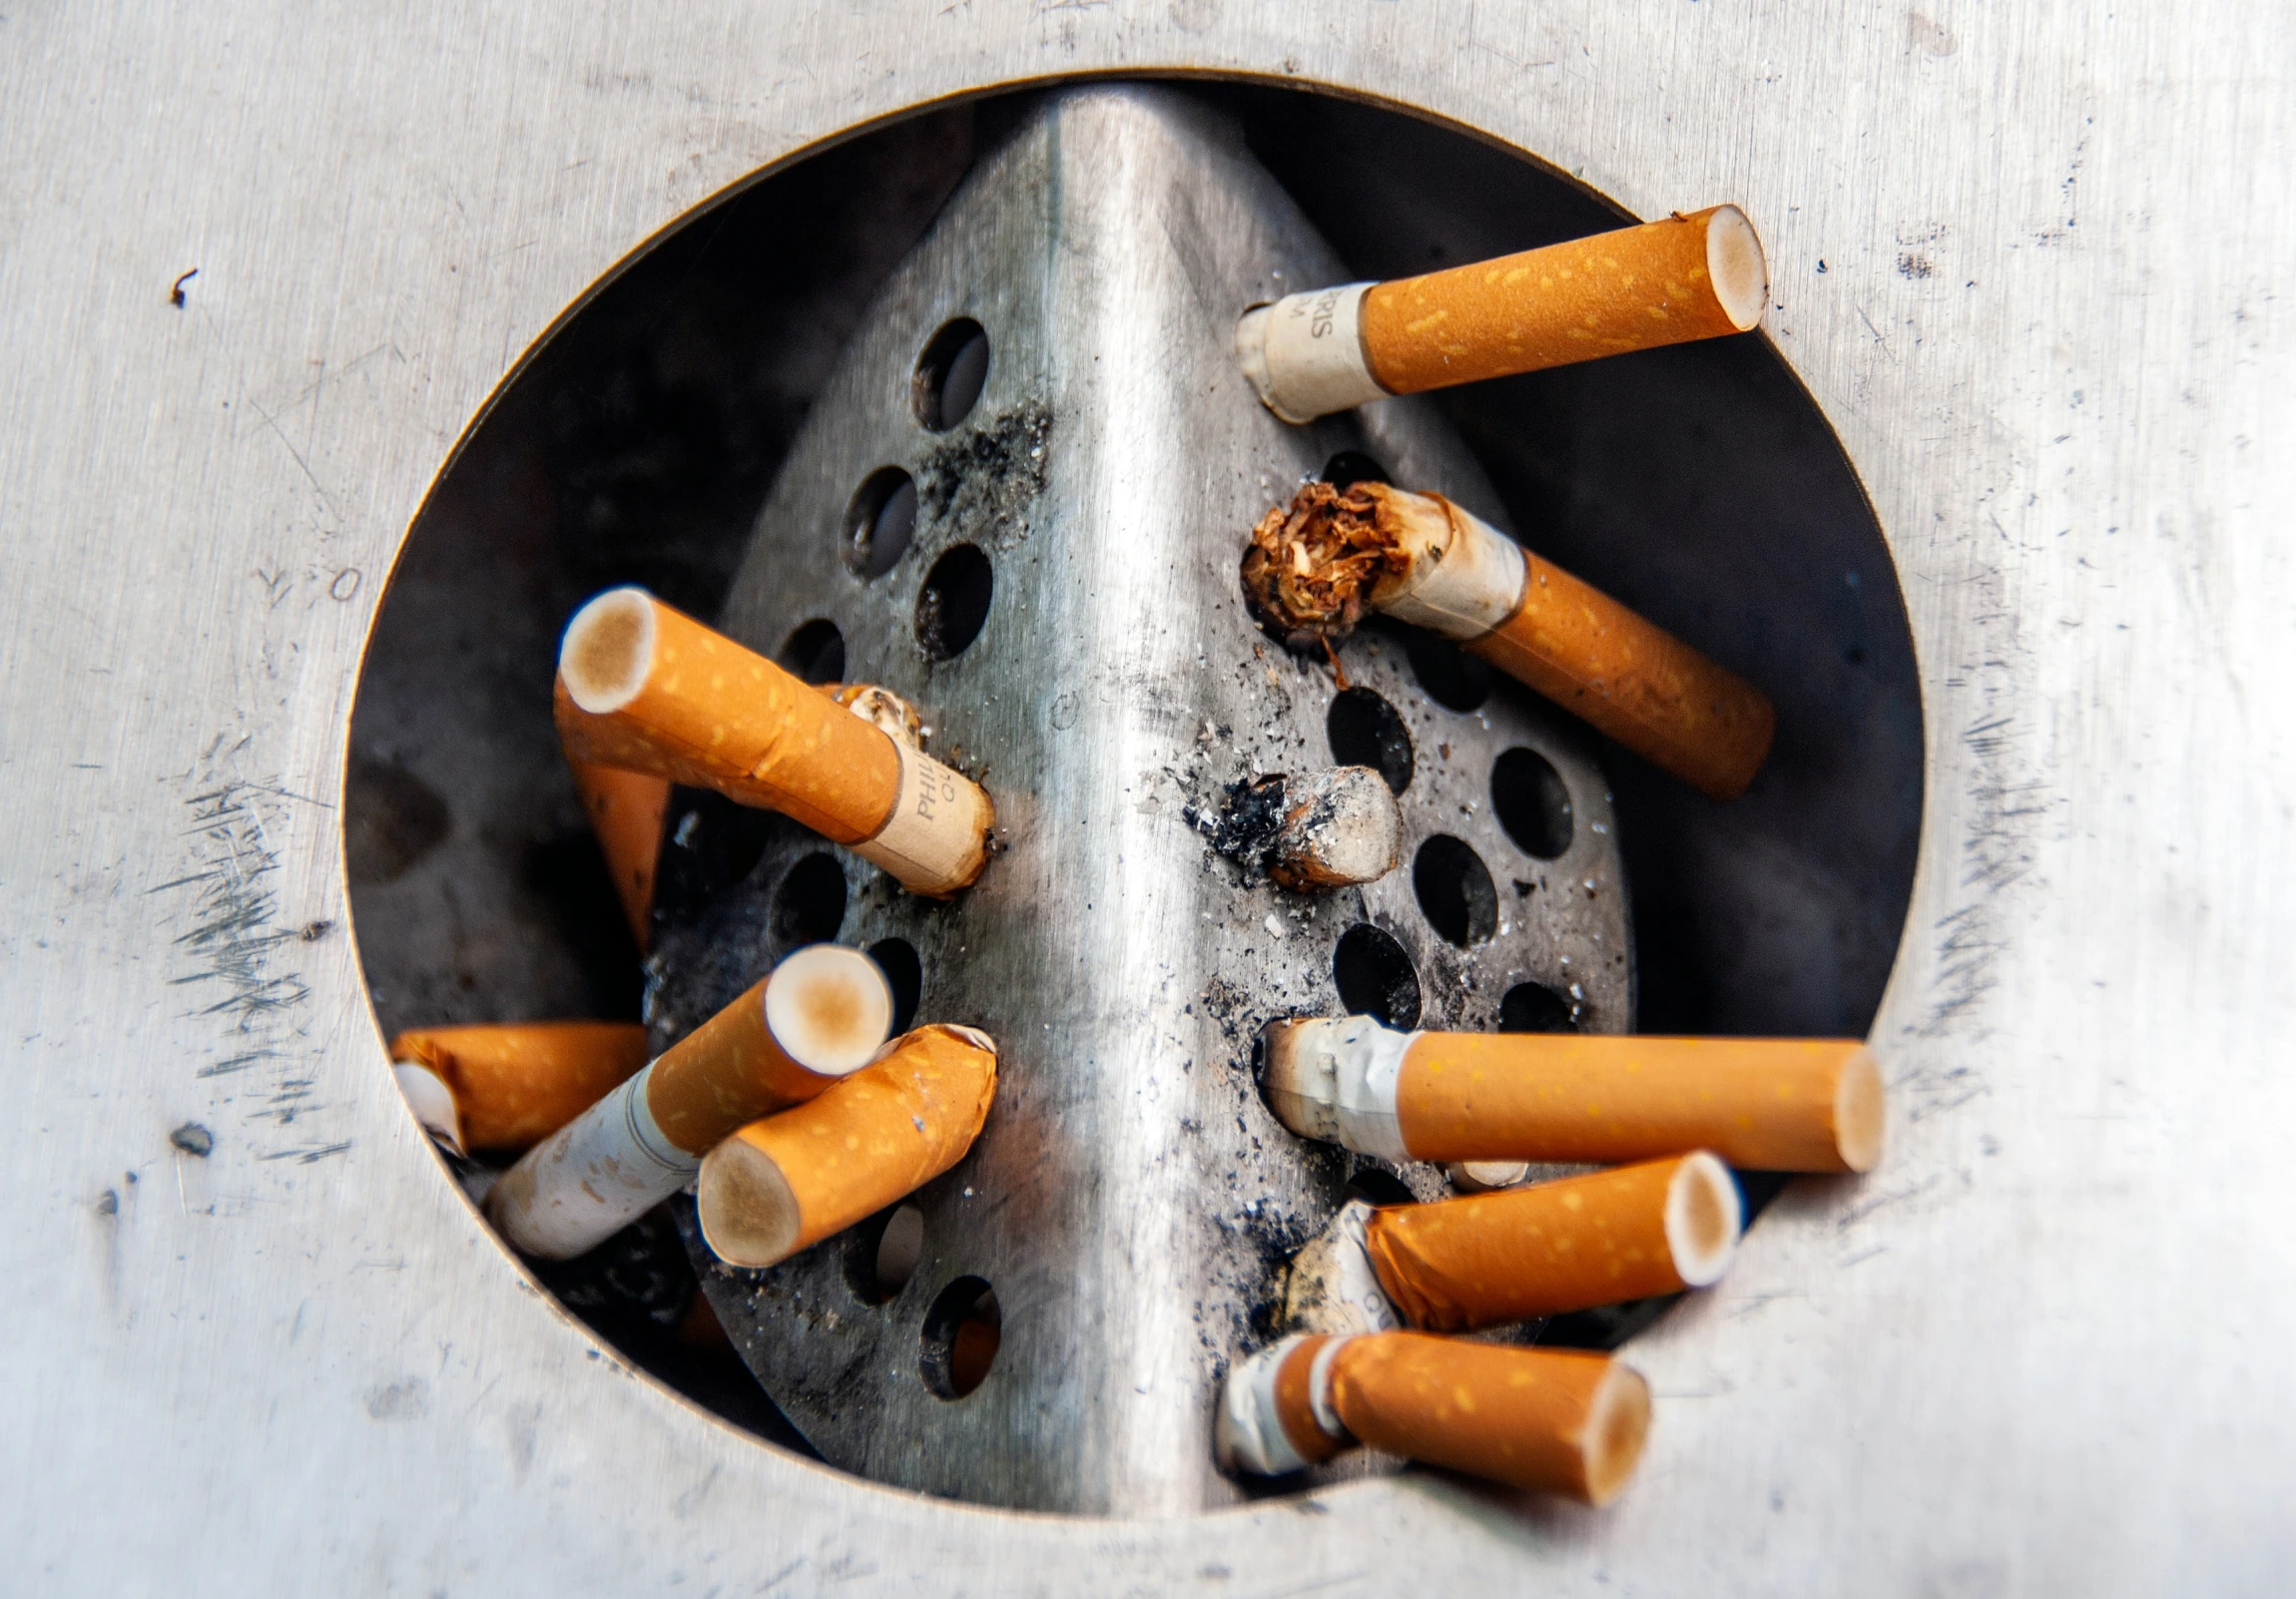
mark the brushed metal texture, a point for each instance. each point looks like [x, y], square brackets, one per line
[2038, 1351]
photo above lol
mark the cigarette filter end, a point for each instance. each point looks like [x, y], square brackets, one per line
[829, 1008]
[1484, 1176]
[1557, 1421]
[1860, 1112]
[1342, 827]
[1735, 263]
[433, 1103]
[786, 1183]
[1334, 1080]
[608, 651]
[1704, 1217]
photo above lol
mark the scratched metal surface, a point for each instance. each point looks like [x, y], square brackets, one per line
[1132, 1197]
[2038, 1351]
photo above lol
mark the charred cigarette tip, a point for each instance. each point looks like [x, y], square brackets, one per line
[829, 1007]
[1342, 827]
[1704, 1218]
[608, 650]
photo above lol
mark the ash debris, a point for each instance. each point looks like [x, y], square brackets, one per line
[1243, 824]
[983, 482]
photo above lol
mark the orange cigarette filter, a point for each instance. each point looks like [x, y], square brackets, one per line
[516, 1083]
[786, 1181]
[626, 811]
[1558, 1421]
[1628, 1234]
[645, 688]
[1768, 1104]
[1664, 282]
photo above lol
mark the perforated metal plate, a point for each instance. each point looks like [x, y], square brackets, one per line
[1132, 1199]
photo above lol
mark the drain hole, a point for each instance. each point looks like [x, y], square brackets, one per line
[1375, 1185]
[1454, 890]
[949, 374]
[811, 906]
[1532, 802]
[816, 652]
[1365, 732]
[954, 602]
[962, 1332]
[880, 521]
[904, 975]
[1451, 676]
[1375, 977]
[1350, 467]
[882, 1254]
[1536, 1009]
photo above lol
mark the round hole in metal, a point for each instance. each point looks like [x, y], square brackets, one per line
[1350, 467]
[904, 975]
[962, 1330]
[1532, 802]
[953, 603]
[1454, 890]
[1453, 678]
[810, 906]
[880, 520]
[1367, 732]
[949, 374]
[882, 1252]
[1536, 1009]
[816, 652]
[1376, 977]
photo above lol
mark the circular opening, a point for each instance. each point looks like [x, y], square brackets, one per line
[1536, 1009]
[880, 520]
[1365, 732]
[1451, 676]
[1375, 977]
[810, 907]
[1454, 890]
[962, 1332]
[904, 975]
[1532, 802]
[1375, 1185]
[953, 603]
[882, 1252]
[949, 374]
[1350, 467]
[816, 652]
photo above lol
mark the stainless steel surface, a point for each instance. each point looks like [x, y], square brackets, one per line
[2038, 1351]
[1132, 1199]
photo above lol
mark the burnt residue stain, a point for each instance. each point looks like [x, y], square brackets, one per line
[193, 1139]
[1243, 825]
[392, 818]
[981, 485]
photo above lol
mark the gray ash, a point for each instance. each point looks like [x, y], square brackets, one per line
[1245, 825]
[982, 482]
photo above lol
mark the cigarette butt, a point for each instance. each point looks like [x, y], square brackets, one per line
[1339, 827]
[1633, 681]
[1686, 278]
[513, 1084]
[1558, 1421]
[786, 1183]
[1762, 1104]
[645, 688]
[1627, 1234]
[1481, 1177]
[626, 811]
[822, 1016]
[1317, 565]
